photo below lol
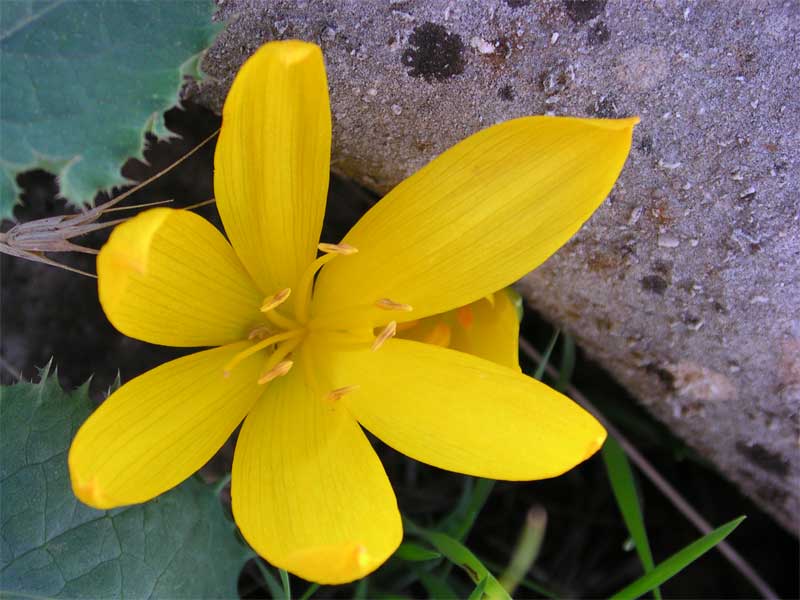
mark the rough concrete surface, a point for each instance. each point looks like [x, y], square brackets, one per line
[685, 285]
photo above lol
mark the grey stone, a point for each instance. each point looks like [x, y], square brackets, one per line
[685, 283]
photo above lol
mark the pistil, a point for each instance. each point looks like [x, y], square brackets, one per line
[306, 283]
[274, 339]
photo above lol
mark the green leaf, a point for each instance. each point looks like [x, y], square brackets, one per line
[461, 556]
[567, 362]
[83, 81]
[622, 483]
[477, 593]
[459, 522]
[54, 546]
[542, 366]
[411, 552]
[677, 562]
[436, 587]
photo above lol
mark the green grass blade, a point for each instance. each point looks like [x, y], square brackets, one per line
[310, 591]
[459, 555]
[411, 552]
[477, 593]
[567, 362]
[540, 368]
[273, 585]
[677, 562]
[287, 587]
[624, 487]
[436, 586]
[459, 522]
[526, 550]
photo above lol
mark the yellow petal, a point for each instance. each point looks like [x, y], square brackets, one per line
[169, 277]
[159, 428]
[478, 217]
[309, 493]
[272, 161]
[462, 413]
[486, 328]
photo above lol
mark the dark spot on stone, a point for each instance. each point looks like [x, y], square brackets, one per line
[691, 320]
[518, 3]
[557, 79]
[434, 53]
[755, 247]
[603, 324]
[664, 376]
[719, 307]
[766, 459]
[581, 11]
[747, 197]
[662, 266]
[780, 166]
[655, 284]
[506, 93]
[598, 34]
[605, 107]
[646, 145]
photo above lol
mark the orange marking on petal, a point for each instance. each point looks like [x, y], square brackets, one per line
[465, 316]
[439, 335]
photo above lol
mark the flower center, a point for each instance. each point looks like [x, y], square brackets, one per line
[283, 334]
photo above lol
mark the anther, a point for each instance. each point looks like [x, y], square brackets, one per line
[388, 332]
[282, 368]
[337, 394]
[343, 249]
[259, 333]
[239, 357]
[387, 304]
[275, 300]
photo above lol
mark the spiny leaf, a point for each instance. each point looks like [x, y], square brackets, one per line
[624, 487]
[677, 562]
[83, 81]
[54, 546]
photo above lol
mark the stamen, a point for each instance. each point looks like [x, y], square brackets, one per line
[388, 332]
[287, 335]
[275, 300]
[306, 282]
[406, 325]
[259, 333]
[343, 249]
[337, 394]
[387, 304]
[282, 368]
[439, 335]
[277, 319]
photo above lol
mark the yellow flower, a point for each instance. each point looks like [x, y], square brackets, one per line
[305, 355]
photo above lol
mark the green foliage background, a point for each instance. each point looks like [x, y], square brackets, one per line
[82, 81]
[180, 545]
